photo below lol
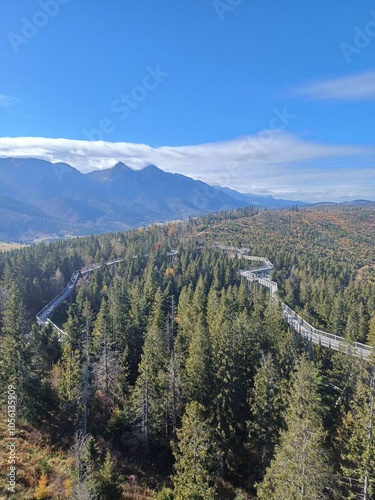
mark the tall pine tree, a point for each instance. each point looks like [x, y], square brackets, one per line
[195, 456]
[300, 468]
[356, 438]
[148, 395]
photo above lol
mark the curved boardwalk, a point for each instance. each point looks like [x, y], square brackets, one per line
[43, 316]
[307, 331]
[258, 274]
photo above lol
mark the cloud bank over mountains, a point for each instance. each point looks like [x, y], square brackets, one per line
[272, 162]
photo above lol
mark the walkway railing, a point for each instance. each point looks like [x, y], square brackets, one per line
[43, 316]
[307, 331]
[255, 274]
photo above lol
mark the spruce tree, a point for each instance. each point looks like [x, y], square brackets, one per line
[197, 373]
[371, 331]
[337, 319]
[73, 327]
[120, 306]
[138, 315]
[197, 370]
[300, 468]
[101, 328]
[15, 362]
[195, 456]
[173, 396]
[70, 370]
[266, 408]
[107, 481]
[148, 395]
[356, 438]
[226, 375]
[185, 323]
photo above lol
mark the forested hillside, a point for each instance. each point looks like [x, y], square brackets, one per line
[174, 379]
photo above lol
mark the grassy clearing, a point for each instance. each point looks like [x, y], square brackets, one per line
[9, 246]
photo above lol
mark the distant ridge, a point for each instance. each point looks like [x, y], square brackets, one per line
[43, 200]
[40, 199]
[354, 203]
[262, 201]
[359, 203]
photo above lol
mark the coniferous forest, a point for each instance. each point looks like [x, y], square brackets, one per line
[176, 380]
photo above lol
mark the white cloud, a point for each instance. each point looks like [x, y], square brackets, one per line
[360, 87]
[276, 163]
[7, 101]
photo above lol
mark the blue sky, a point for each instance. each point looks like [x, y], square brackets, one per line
[264, 96]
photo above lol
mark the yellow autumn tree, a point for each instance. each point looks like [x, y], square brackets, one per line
[42, 490]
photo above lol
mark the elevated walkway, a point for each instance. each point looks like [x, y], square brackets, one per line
[307, 331]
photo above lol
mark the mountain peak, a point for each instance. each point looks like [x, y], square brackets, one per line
[120, 166]
[152, 168]
[116, 172]
[106, 200]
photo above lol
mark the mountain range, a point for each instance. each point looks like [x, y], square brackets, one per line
[43, 200]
